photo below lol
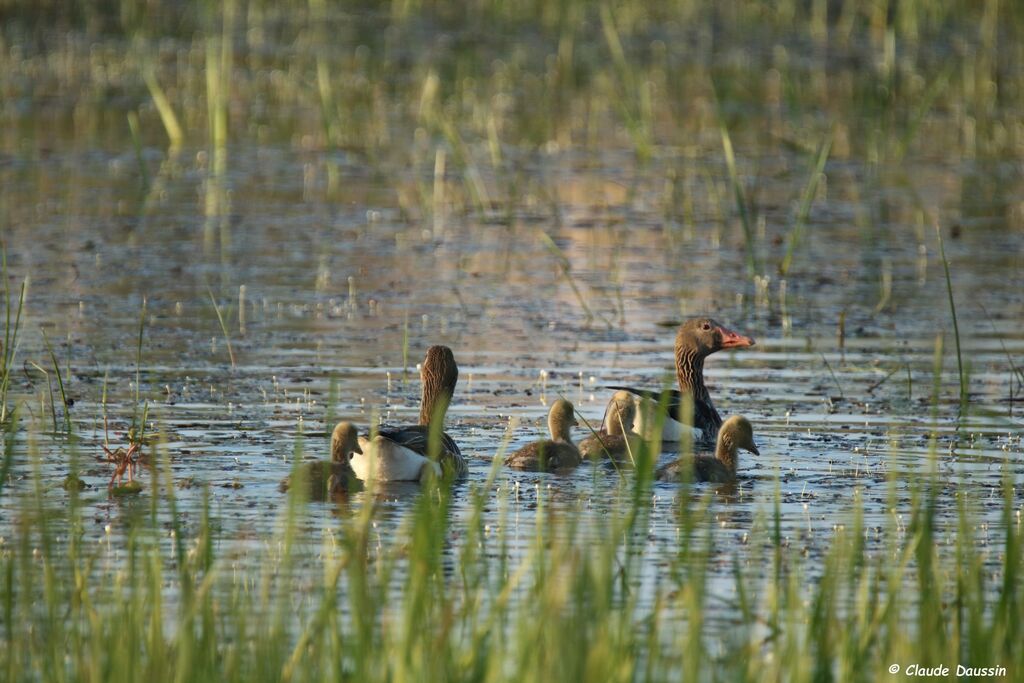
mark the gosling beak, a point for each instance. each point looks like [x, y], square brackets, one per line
[734, 340]
[753, 449]
[357, 449]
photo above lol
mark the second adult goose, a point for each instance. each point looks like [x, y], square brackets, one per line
[696, 339]
[404, 453]
[556, 453]
[736, 433]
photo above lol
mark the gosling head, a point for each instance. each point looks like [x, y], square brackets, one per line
[439, 375]
[344, 442]
[561, 420]
[736, 433]
[621, 413]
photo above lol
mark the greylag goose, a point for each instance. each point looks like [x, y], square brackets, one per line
[696, 339]
[735, 433]
[615, 439]
[328, 478]
[556, 453]
[405, 453]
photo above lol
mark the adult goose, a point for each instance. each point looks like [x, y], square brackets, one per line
[556, 453]
[406, 453]
[325, 479]
[615, 439]
[736, 433]
[696, 339]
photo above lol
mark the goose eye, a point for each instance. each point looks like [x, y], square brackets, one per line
[706, 326]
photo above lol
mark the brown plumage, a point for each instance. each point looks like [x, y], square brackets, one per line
[325, 479]
[735, 433]
[439, 375]
[614, 440]
[556, 453]
[696, 339]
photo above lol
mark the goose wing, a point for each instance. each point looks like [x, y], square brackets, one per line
[417, 438]
[705, 417]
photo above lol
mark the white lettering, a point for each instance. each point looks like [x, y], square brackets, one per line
[980, 671]
[918, 670]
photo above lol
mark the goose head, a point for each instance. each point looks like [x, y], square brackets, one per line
[704, 336]
[735, 433]
[344, 442]
[561, 420]
[621, 413]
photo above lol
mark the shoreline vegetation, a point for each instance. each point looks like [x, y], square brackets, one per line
[410, 80]
[441, 599]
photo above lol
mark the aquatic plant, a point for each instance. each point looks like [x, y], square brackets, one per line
[952, 313]
[11, 329]
[223, 327]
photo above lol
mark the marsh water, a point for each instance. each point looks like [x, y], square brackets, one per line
[331, 289]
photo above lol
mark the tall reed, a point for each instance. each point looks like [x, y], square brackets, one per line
[11, 329]
[956, 326]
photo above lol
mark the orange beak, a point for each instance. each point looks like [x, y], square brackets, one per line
[734, 340]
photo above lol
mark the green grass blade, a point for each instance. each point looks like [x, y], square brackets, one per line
[956, 326]
[740, 197]
[223, 327]
[810, 189]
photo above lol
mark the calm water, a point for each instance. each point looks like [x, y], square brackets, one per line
[333, 281]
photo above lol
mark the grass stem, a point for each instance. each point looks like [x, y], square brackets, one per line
[956, 327]
[223, 327]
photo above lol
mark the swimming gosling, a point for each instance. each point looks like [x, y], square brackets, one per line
[556, 453]
[615, 439]
[736, 433]
[327, 478]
